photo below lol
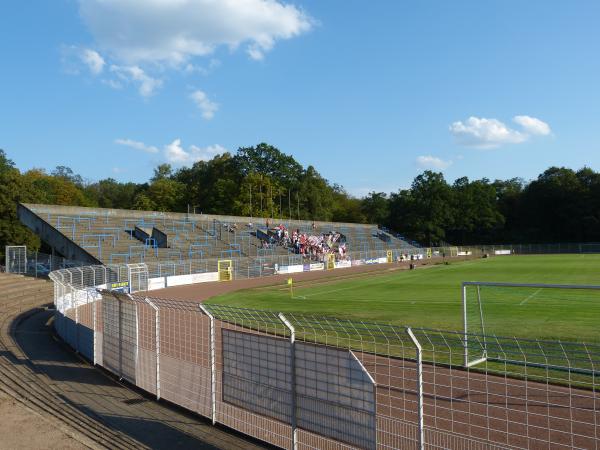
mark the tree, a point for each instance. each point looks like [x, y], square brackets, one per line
[552, 207]
[316, 196]
[475, 214]
[54, 190]
[211, 186]
[375, 207]
[6, 165]
[167, 195]
[270, 161]
[13, 190]
[425, 211]
[508, 201]
[143, 203]
[346, 208]
[67, 174]
[162, 172]
[109, 193]
[590, 203]
[255, 196]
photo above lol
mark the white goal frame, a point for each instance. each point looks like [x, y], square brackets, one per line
[478, 284]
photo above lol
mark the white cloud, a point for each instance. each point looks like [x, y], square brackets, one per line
[93, 60]
[206, 106]
[146, 84]
[485, 133]
[75, 59]
[115, 84]
[432, 162]
[141, 40]
[532, 125]
[176, 154]
[491, 133]
[202, 70]
[117, 170]
[137, 145]
[174, 31]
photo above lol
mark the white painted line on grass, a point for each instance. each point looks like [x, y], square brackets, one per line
[530, 297]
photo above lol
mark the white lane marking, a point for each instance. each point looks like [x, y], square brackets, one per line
[530, 297]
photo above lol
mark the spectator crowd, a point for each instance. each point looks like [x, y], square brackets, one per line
[313, 246]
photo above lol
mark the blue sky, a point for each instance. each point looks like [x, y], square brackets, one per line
[370, 93]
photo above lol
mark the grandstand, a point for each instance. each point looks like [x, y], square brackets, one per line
[112, 236]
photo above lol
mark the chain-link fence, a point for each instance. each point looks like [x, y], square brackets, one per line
[308, 382]
[19, 260]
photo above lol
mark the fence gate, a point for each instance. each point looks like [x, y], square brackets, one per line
[138, 277]
[16, 259]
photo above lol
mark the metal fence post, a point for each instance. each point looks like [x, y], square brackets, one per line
[292, 330]
[157, 344]
[419, 351]
[213, 365]
[120, 312]
[465, 325]
[76, 326]
[94, 322]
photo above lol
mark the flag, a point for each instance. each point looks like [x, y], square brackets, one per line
[290, 281]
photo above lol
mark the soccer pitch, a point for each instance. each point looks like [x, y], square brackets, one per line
[431, 297]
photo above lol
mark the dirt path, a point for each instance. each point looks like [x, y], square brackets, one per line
[20, 427]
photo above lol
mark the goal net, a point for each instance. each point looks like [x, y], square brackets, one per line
[542, 325]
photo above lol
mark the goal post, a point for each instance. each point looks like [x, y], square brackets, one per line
[548, 326]
[137, 275]
[479, 338]
[16, 259]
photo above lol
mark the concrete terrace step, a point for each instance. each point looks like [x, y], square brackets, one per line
[183, 231]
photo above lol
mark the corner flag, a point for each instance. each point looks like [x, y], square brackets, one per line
[290, 283]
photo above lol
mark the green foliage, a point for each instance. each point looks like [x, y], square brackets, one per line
[67, 174]
[162, 172]
[316, 202]
[166, 194]
[13, 190]
[143, 203]
[561, 205]
[346, 208]
[376, 208]
[109, 193]
[255, 197]
[269, 161]
[211, 186]
[54, 190]
[475, 210]
[424, 211]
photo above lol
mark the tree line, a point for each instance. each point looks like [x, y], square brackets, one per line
[560, 205]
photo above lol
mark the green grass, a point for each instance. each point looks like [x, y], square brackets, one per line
[431, 297]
